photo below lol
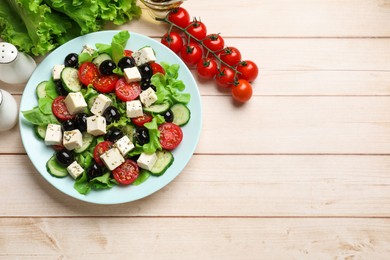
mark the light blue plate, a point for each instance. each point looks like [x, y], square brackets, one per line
[39, 153]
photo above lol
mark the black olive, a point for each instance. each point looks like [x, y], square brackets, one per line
[111, 114]
[126, 62]
[81, 121]
[142, 135]
[114, 134]
[168, 116]
[65, 157]
[107, 67]
[60, 88]
[146, 71]
[71, 60]
[145, 84]
[69, 125]
[94, 171]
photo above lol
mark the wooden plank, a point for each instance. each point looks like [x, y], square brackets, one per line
[316, 66]
[330, 125]
[176, 238]
[224, 186]
[284, 18]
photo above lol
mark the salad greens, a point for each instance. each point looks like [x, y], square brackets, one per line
[37, 27]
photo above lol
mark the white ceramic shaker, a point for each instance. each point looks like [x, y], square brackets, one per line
[8, 111]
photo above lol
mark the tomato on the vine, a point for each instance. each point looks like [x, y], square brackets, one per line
[157, 68]
[173, 41]
[225, 77]
[248, 70]
[207, 68]
[179, 16]
[242, 91]
[231, 56]
[197, 29]
[191, 54]
[106, 83]
[214, 42]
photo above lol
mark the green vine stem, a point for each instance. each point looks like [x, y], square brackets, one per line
[200, 42]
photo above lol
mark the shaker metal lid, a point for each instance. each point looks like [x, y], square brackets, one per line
[8, 52]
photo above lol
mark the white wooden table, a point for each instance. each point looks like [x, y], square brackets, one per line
[302, 171]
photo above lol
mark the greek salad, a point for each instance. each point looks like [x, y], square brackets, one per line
[112, 115]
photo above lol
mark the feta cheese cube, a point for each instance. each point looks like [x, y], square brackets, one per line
[53, 134]
[132, 74]
[148, 97]
[96, 125]
[124, 145]
[100, 104]
[88, 49]
[72, 139]
[134, 109]
[147, 161]
[75, 102]
[57, 69]
[112, 158]
[75, 170]
[144, 55]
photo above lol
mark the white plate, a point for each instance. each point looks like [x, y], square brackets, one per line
[39, 153]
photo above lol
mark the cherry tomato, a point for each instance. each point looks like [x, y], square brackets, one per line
[88, 73]
[231, 56]
[197, 29]
[191, 54]
[157, 68]
[127, 53]
[60, 110]
[179, 16]
[126, 173]
[173, 41]
[127, 91]
[242, 91]
[248, 70]
[141, 120]
[58, 147]
[214, 42]
[100, 149]
[207, 68]
[171, 135]
[105, 84]
[225, 77]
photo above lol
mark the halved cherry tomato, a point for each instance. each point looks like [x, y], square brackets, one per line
[157, 68]
[100, 149]
[171, 135]
[248, 70]
[197, 29]
[214, 42]
[242, 91]
[105, 84]
[60, 110]
[141, 120]
[179, 16]
[191, 54]
[126, 173]
[207, 68]
[88, 73]
[127, 91]
[58, 147]
[231, 56]
[173, 41]
[225, 77]
[128, 53]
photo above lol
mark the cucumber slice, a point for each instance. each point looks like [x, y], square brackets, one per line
[40, 131]
[56, 169]
[99, 59]
[157, 108]
[91, 100]
[164, 160]
[129, 130]
[87, 141]
[181, 114]
[41, 90]
[70, 79]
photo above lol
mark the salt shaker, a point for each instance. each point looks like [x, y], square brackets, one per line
[15, 67]
[8, 111]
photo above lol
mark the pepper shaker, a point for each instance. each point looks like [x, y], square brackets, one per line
[8, 111]
[15, 67]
